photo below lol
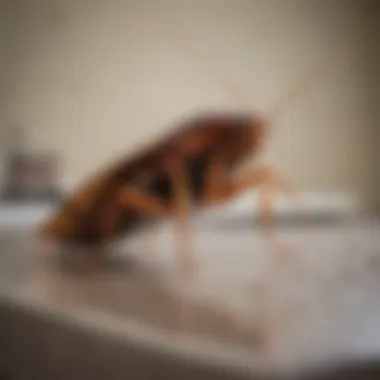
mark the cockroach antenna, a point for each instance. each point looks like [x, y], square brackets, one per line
[242, 97]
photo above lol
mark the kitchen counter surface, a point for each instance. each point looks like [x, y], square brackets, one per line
[317, 305]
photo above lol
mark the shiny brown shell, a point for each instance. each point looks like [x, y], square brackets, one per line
[78, 219]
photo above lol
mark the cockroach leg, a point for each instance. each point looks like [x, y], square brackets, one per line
[220, 188]
[268, 182]
[266, 201]
[182, 214]
[147, 204]
[143, 202]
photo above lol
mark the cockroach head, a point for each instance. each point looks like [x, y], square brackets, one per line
[248, 135]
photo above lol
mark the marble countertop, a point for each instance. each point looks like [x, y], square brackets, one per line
[318, 305]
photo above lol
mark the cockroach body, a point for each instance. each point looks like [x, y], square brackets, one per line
[84, 217]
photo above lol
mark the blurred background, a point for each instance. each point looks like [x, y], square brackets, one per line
[83, 82]
[91, 80]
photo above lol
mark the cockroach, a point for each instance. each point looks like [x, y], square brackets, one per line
[190, 168]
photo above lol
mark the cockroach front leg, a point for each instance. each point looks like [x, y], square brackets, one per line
[220, 188]
[268, 183]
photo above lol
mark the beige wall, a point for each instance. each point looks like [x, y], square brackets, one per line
[93, 79]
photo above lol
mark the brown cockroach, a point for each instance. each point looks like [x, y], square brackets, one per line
[190, 168]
